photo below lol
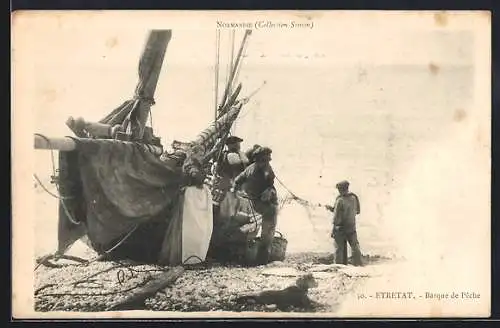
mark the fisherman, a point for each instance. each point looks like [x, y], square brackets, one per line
[192, 167]
[257, 181]
[234, 161]
[249, 153]
[346, 208]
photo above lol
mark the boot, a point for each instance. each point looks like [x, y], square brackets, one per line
[262, 256]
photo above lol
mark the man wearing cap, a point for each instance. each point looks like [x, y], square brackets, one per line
[249, 153]
[257, 181]
[234, 161]
[344, 224]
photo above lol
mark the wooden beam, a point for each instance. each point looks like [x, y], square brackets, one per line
[69, 144]
[159, 282]
[61, 144]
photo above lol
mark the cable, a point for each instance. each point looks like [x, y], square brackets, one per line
[61, 198]
[120, 277]
[299, 200]
[47, 190]
[190, 257]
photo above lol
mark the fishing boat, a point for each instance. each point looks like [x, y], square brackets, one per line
[129, 197]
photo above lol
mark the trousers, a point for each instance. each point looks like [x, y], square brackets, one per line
[341, 238]
[269, 220]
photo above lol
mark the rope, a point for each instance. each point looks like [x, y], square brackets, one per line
[121, 276]
[61, 198]
[190, 257]
[246, 100]
[47, 190]
[253, 214]
[68, 214]
[122, 240]
[299, 200]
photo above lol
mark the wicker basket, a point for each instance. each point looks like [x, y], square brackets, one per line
[278, 247]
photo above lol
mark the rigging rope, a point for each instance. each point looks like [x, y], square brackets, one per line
[47, 190]
[54, 171]
[120, 275]
[305, 203]
[66, 210]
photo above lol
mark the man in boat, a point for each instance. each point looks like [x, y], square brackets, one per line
[249, 153]
[257, 182]
[346, 208]
[192, 167]
[234, 161]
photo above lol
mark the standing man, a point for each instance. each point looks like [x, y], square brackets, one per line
[234, 161]
[257, 181]
[249, 153]
[346, 208]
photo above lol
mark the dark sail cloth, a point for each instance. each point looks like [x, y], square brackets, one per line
[258, 184]
[126, 194]
[344, 228]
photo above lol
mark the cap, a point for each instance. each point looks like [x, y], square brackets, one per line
[262, 152]
[233, 139]
[343, 184]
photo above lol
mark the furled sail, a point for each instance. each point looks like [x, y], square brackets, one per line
[135, 111]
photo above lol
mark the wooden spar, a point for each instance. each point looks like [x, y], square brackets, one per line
[235, 66]
[133, 114]
[61, 144]
[230, 103]
[217, 58]
[69, 144]
[160, 282]
[208, 137]
[150, 66]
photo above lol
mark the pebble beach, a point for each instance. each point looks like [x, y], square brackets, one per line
[211, 287]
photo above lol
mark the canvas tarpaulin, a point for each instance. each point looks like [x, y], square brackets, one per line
[197, 224]
[190, 231]
[116, 187]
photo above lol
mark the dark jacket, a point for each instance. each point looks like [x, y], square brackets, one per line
[345, 211]
[254, 180]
